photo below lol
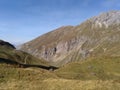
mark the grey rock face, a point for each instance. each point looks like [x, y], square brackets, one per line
[106, 19]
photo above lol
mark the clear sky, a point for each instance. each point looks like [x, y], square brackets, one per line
[24, 20]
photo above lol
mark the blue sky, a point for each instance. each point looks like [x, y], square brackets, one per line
[24, 20]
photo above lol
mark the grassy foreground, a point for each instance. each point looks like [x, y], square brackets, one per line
[95, 74]
[61, 84]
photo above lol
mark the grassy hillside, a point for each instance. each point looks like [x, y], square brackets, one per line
[20, 56]
[104, 68]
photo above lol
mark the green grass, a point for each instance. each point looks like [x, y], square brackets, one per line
[8, 72]
[103, 68]
[21, 77]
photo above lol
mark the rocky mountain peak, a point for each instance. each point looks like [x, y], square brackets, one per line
[106, 19]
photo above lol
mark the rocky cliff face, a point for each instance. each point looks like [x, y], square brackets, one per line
[97, 36]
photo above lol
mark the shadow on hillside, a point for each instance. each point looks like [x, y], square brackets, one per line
[19, 65]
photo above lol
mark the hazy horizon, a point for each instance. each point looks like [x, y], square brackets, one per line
[24, 20]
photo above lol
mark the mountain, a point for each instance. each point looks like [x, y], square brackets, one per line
[97, 36]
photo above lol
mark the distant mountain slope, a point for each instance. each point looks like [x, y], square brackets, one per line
[97, 36]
